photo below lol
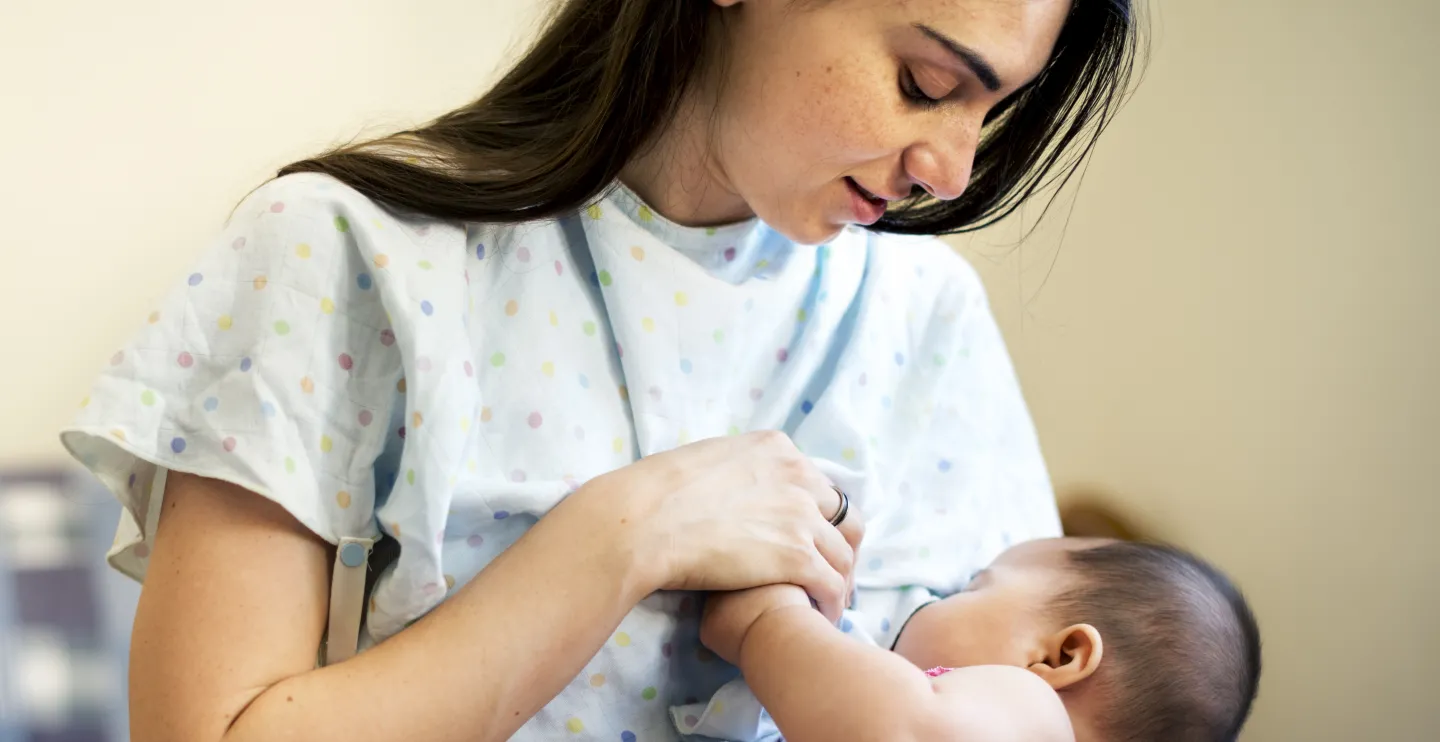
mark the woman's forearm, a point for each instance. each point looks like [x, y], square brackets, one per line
[480, 665]
[235, 601]
[821, 685]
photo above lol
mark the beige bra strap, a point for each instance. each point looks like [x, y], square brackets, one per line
[347, 598]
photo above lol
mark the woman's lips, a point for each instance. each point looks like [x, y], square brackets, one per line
[866, 211]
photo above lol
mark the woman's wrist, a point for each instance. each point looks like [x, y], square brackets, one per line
[605, 517]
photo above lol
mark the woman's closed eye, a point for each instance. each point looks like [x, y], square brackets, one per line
[926, 95]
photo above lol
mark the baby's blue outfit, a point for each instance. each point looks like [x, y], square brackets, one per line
[446, 384]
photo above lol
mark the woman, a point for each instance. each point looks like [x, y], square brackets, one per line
[442, 336]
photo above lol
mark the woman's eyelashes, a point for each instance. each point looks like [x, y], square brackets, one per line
[913, 92]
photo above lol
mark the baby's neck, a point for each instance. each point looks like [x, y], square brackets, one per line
[1082, 718]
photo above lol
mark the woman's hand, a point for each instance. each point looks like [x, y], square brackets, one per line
[729, 514]
[728, 616]
[853, 529]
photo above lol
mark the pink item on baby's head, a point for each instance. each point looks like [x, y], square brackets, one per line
[936, 672]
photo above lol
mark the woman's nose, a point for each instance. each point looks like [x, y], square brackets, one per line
[942, 175]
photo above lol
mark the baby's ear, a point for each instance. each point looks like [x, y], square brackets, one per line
[1071, 655]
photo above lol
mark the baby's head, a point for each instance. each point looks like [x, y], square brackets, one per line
[1142, 642]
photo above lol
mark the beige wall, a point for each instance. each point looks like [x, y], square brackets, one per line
[129, 130]
[1237, 342]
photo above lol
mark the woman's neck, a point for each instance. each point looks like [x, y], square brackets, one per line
[679, 175]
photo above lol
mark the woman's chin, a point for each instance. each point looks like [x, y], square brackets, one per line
[817, 232]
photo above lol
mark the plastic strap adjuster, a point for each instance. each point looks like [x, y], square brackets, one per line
[347, 598]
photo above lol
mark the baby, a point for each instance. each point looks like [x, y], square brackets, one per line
[1063, 639]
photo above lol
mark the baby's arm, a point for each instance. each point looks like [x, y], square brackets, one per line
[820, 685]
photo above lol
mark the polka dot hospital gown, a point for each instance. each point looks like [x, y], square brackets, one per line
[446, 384]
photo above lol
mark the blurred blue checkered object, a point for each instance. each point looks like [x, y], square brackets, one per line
[64, 617]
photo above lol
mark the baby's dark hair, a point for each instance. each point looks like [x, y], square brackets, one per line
[1181, 646]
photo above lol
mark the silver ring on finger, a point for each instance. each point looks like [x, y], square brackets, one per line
[844, 507]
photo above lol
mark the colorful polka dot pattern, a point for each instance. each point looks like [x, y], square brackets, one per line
[455, 382]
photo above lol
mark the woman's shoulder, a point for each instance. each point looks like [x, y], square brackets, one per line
[318, 199]
[927, 270]
[302, 192]
[924, 255]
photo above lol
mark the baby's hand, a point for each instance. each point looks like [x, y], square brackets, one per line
[728, 616]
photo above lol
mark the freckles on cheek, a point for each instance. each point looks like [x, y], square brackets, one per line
[831, 126]
[811, 133]
[834, 119]
[848, 137]
[859, 115]
[811, 100]
[825, 129]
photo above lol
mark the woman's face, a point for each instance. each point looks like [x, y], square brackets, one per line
[828, 109]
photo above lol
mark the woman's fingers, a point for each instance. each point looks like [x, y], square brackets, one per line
[746, 508]
[836, 551]
[840, 558]
[853, 527]
[825, 586]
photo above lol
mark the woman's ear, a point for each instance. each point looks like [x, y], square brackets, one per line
[1071, 655]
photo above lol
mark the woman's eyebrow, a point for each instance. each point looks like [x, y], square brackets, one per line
[967, 56]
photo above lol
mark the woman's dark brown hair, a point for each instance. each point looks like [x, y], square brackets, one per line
[606, 75]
